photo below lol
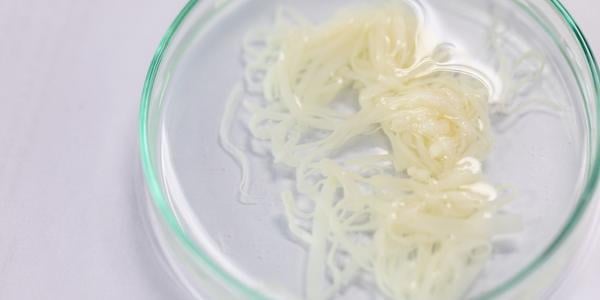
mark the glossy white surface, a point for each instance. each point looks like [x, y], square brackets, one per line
[71, 73]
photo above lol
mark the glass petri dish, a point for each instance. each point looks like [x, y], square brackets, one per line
[219, 248]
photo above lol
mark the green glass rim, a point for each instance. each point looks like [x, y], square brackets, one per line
[159, 198]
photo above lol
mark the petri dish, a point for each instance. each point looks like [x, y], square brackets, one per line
[219, 248]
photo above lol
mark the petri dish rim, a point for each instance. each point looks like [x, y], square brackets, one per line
[159, 198]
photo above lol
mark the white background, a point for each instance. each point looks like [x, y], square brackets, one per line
[71, 73]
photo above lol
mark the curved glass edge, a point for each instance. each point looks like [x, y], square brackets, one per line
[159, 199]
[153, 183]
[592, 181]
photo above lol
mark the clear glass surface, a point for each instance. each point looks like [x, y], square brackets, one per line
[222, 249]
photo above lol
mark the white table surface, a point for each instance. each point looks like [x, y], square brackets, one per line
[71, 74]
